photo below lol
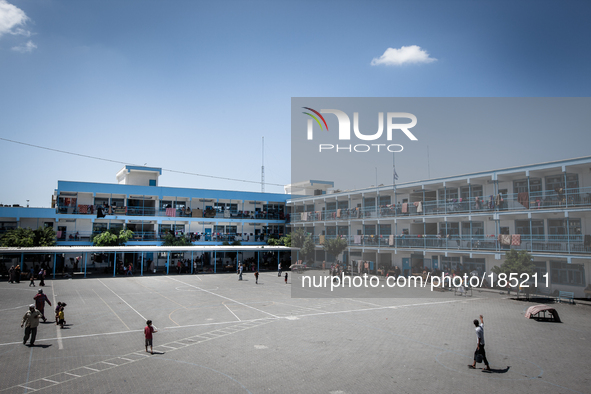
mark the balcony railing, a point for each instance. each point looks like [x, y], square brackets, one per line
[570, 198]
[550, 244]
[86, 236]
[81, 209]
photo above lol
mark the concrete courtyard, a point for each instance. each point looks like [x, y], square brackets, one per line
[220, 335]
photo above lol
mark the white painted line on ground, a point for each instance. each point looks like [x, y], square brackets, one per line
[224, 297]
[60, 343]
[92, 369]
[26, 388]
[49, 380]
[104, 362]
[79, 295]
[232, 312]
[109, 306]
[72, 374]
[123, 300]
[16, 307]
[126, 359]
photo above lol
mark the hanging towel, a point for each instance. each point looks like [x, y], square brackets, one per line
[171, 212]
[404, 207]
[357, 239]
[338, 213]
[523, 199]
[515, 240]
[505, 239]
[391, 240]
[321, 239]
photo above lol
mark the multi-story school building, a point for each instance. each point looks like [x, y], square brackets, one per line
[136, 202]
[466, 222]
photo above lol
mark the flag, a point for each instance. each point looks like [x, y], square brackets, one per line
[395, 175]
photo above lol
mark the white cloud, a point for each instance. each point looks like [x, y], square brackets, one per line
[28, 47]
[404, 55]
[12, 19]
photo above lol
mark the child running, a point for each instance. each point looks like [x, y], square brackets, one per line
[148, 331]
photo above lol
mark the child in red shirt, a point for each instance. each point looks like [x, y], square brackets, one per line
[148, 331]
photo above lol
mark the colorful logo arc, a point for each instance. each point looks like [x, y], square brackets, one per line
[315, 118]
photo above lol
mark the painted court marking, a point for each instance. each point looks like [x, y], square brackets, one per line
[224, 297]
[60, 343]
[193, 340]
[132, 308]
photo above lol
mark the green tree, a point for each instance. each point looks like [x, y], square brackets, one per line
[171, 240]
[111, 238]
[44, 236]
[286, 239]
[518, 262]
[335, 246]
[297, 238]
[25, 237]
[18, 238]
[308, 248]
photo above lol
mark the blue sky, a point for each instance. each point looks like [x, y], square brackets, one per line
[193, 86]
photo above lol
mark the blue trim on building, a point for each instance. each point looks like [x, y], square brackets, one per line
[162, 191]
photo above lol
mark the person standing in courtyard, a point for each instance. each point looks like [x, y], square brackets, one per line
[240, 269]
[41, 277]
[40, 300]
[286, 278]
[31, 322]
[256, 277]
[148, 331]
[480, 345]
[32, 277]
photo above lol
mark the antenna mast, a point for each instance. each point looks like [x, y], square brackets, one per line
[263, 169]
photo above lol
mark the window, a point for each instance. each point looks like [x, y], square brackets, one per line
[331, 206]
[369, 229]
[152, 182]
[5, 226]
[449, 193]
[343, 205]
[557, 181]
[477, 228]
[369, 202]
[520, 186]
[473, 264]
[98, 228]
[343, 230]
[449, 228]
[101, 201]
[449, 263]
[171, 228]
[567, 274]
[557, 228]
[475, 192]
[332, 230]
[385, 200]
[540, 269]
[117, 202]
[523, 227]
[385, 229]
